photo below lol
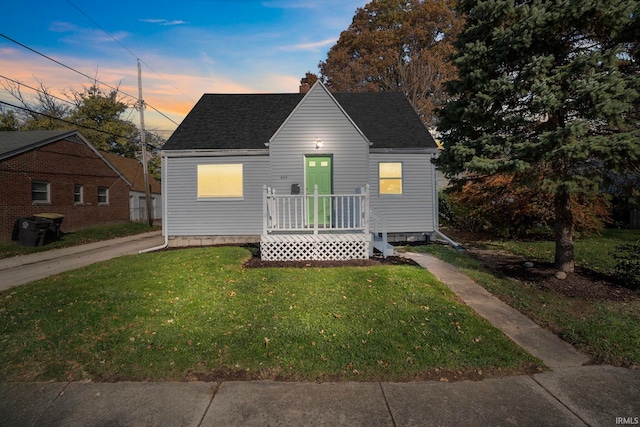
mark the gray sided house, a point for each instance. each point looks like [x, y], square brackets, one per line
[309, 175]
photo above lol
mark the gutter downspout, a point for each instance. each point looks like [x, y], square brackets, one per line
[165, 220]
[457, 246]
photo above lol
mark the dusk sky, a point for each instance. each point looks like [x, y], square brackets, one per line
[187, 47]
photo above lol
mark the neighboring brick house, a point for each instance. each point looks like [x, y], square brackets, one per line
[58, 172]
[132, 170]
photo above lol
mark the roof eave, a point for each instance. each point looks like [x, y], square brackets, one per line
[215, 152]
[38, 144]
[403, 150]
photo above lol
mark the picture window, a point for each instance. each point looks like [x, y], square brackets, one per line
[220, 181]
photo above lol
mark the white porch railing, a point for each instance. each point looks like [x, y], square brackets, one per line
[315, 213]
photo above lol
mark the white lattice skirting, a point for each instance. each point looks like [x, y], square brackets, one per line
[310, 247]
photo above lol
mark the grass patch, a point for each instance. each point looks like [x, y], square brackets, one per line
[88, 235]
[609, 331]
[197, 314]
[594, 252]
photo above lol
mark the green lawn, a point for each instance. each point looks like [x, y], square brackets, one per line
[594, 252]
[609, 331]
[197, 314]
[88, 235]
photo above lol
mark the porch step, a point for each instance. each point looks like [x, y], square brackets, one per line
[382, 246]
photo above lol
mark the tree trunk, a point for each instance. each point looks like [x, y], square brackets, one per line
[564, 233]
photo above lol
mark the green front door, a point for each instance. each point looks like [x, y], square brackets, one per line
[318, 170]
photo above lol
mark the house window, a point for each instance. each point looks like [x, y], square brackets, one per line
[103, 196]
[390, 178]
[220, 181]
[78, 194]
[40, 192]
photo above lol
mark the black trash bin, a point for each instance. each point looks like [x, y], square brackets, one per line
[56, 222]
[32, 230]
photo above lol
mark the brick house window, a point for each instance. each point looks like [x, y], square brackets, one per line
[103, 196]
[78, 194]
[40, 192]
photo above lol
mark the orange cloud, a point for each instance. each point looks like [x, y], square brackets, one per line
[173, 93]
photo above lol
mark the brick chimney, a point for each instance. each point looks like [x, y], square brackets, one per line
[304, 85]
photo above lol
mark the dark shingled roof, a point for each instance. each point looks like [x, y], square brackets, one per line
[232, 121]
[249, 121]
[16, 142]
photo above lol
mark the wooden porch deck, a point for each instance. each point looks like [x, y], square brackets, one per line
[317, 227]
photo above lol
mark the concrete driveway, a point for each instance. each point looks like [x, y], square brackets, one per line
[27, 268]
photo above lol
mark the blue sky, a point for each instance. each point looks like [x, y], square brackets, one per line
[187, 47]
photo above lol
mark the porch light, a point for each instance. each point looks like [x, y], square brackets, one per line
[318, 143]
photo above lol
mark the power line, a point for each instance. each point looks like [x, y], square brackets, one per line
[64, 121]
[83, 74]
[127, 49]
[76, 125]
[105, 31]
[72, 103]
[167, 81]
[66, 66]
[162, 114]
[37, 90]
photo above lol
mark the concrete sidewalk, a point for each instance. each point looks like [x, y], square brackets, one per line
[588, 395]
[569, 395]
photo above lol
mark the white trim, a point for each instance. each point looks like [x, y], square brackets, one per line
[403, 150]
[213, 153]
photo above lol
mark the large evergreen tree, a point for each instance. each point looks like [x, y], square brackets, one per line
[545, 88]
[396, 45]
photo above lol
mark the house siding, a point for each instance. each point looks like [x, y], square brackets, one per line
[319, 117]
[62, 164]
[413, 211]
[188, 216]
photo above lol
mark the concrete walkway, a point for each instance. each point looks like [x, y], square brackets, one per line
[568, 395]
[541, 343]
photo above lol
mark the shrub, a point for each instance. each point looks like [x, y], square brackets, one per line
[627, 267]
[506, 208]
[454, 214]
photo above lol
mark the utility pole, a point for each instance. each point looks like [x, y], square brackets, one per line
[143, 146]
